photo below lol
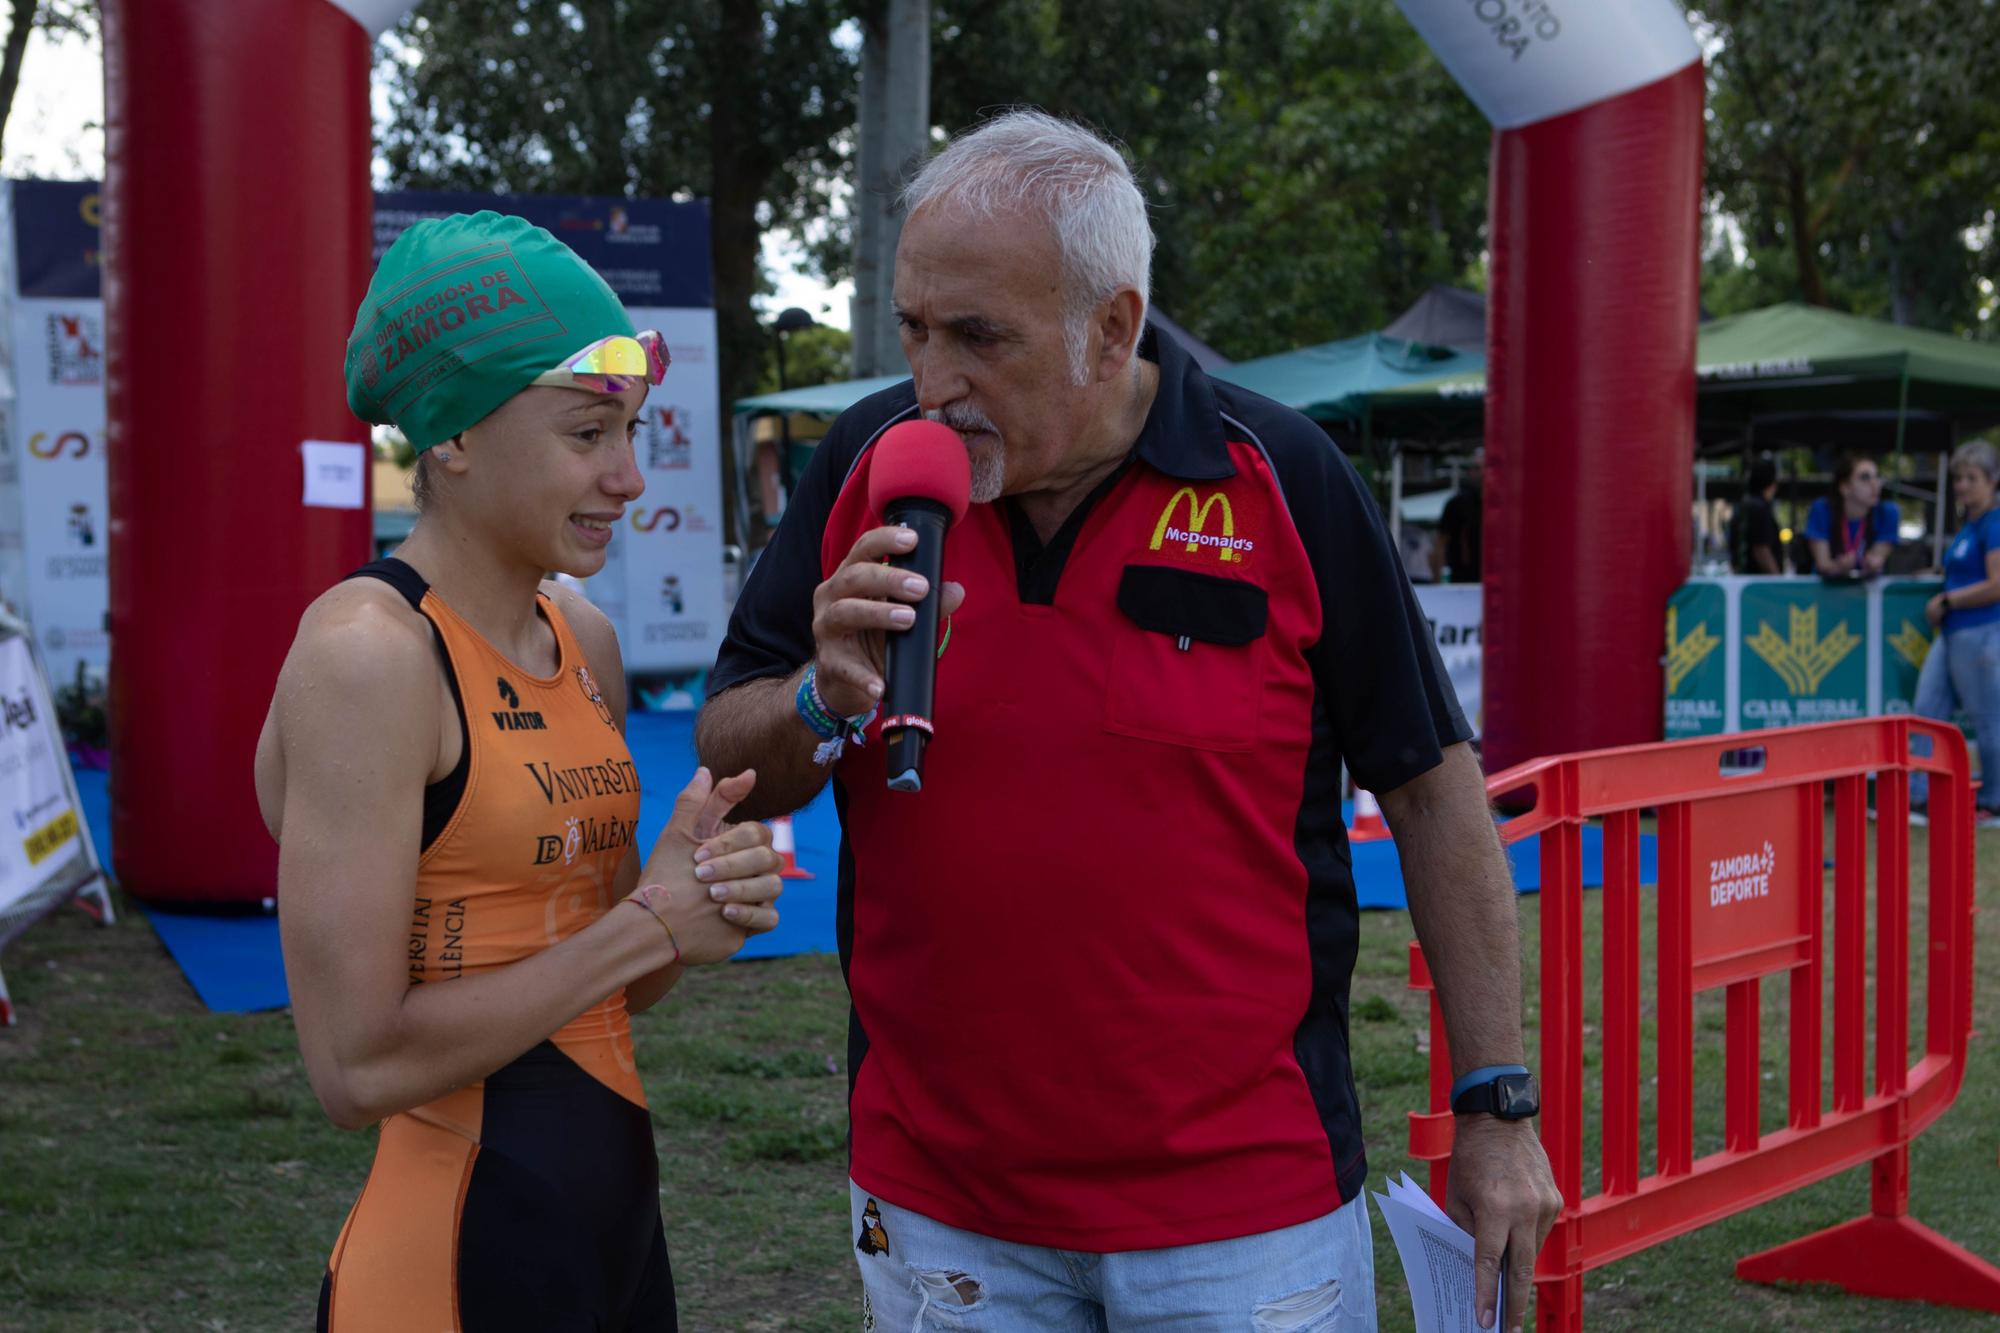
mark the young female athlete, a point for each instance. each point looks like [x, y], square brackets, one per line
[467, 923]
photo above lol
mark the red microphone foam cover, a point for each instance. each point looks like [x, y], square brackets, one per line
[920, 460]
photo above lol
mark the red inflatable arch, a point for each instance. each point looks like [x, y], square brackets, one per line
[237, 218]
[1594, 237]
[237, 243]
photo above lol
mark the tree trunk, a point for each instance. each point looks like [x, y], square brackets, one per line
[1812, 287]
[895, 127]
[23, 23]
[863, 319]
[741, 169]
[1902, 282]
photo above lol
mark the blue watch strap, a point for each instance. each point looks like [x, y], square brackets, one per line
[1484, 1074]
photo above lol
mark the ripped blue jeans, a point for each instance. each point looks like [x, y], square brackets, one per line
[917, 1274]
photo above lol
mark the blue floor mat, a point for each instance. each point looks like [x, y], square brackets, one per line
[94, 790]
[232, 961]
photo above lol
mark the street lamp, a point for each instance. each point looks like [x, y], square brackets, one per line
[790, 320]
[774, 470]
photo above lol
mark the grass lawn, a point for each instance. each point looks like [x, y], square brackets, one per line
[164, 1168]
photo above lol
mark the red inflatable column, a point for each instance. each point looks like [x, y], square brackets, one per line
[237, 216]
[1595, 237]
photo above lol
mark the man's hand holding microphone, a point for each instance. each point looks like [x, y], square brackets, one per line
[891, 584]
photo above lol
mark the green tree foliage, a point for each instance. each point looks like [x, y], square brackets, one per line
[1852, 147]
[1311, 167]
[821, 354]
[78, 18]
[739, 102]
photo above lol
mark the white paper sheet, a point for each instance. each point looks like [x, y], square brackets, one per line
[335, 474]
[1437, 1261]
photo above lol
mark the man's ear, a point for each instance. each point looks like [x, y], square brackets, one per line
[1120, 323]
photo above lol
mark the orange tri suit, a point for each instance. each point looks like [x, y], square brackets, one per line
[528, 1200]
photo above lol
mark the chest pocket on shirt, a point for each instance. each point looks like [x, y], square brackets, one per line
[1187, 665]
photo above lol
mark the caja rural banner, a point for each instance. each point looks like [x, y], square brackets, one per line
[663, 585]
[1749, 652]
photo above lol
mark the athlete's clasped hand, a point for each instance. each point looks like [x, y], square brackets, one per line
[851, 611]
[712, 883]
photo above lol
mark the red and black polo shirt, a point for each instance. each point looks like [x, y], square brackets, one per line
[1100, 964]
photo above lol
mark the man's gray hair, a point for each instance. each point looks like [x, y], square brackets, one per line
[1979, 454]
[1031, 162]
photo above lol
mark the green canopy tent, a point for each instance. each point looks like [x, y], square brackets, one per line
[1804, 372]
[1331, 383]
[1788, 374]
[823, 400]
[817, 400]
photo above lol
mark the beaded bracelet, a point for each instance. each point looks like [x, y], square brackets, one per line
[834, 730]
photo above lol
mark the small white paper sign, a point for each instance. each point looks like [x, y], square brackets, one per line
[335, 476]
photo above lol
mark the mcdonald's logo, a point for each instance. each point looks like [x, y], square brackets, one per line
[1228, 546]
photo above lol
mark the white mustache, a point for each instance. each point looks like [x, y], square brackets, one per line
[964, 418]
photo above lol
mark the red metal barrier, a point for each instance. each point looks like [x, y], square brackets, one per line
[1741, 896]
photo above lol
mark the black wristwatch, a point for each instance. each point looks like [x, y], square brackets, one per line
[1505, 1096]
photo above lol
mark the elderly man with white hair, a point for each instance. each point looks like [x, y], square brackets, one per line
[1100, 963]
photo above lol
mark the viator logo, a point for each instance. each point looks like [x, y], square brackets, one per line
[514, 718]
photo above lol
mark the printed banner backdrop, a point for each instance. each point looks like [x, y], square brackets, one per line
[1907, 638]
[1802, 654]
[1697, 675]
[661, 584]
[663, 587]
[56, 436]
[1747, 652]
[1457, 616]
[42, 829]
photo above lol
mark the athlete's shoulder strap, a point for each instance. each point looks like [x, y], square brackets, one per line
[397, 575]
[441, 798]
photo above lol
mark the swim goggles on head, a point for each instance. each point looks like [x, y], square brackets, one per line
[612, 365]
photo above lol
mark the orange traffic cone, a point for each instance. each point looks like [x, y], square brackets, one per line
[787, 850]
[1368, 825]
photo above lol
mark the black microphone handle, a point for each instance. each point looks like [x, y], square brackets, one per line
[910, 669]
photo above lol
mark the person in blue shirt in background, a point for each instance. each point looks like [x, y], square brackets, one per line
[1856, 546]
[1962, 671]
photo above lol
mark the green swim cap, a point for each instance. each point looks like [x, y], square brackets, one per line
[462, 314]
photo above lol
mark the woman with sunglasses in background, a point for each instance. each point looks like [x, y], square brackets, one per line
[466, 919]
[1851, 530]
